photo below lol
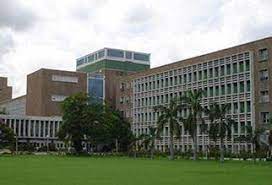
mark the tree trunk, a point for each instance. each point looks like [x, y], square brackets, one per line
[171, 147]
[195, 146]
[152, 153]
[116, 146]
[221, 150]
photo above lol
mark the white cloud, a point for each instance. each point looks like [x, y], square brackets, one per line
[173, 30]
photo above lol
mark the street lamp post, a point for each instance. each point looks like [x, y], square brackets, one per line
[47, 144]
[16, 144]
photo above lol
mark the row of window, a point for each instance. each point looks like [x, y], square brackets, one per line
[114, 53]
[235, 108]
[222, 90]
[241, 60]
[177, 80]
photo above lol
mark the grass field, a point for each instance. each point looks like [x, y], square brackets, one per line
[49, 170]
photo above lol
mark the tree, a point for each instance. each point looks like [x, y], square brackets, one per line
[169, 117]
[220, 125]
[148, 140]
[7, 138]
[86, 120]
[75, 113]
[253, 136]
[270, 141]
[192, 101]
[117, 129]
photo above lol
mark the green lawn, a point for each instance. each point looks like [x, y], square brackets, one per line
[49, 170]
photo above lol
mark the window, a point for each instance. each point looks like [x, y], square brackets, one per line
[211, 91]
[222, 90]
[217, 91]
[248, 86]
[243, 128]
[69, 79]
[210, 72]
[241, 67]
[216, 72]
[80, 62]
[235, 88]
[175, 80]
[205, 92]
[265, 117]
[143, 57]
[263, 75]
[234, 68]
[184, 78]
[121, 100]
[115, 53]
[101, 54]
[205, 74]
[128, 55]
[235, 127]
[96, 87]
[248, 106]
[122, 86]
[222, 70]
[242, 87]
[228, 69]
[194, 77]
[264, 96]
[235, 107]
[242, 107]
[200, 75]
[58, 98]
[229, 88]
[247, 65]
[263, 54]
[190, 77]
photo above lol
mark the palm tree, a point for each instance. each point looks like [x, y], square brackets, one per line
[192, 101]
[149, 140]
[220, 124]
[169, 117]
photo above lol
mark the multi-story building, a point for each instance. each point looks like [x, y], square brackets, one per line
[37, 130]
[5, 90]
[47, 88]
[239, 76]
[105, 66]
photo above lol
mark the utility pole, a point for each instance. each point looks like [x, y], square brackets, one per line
[16, 144]
[47, 144]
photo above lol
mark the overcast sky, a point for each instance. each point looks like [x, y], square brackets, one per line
[53, 33]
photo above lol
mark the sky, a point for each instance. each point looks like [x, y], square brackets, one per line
[38, 34]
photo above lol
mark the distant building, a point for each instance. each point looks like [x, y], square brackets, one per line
[104, 66]
[16, 106]
[47, 88]
[5, 90]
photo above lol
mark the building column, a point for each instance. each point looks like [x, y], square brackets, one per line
[19, 127]
[39, 129]
[34, 129]
[53, 131]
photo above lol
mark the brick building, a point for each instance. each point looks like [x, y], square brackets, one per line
[5, 90]
[47, 88]
[240, 76]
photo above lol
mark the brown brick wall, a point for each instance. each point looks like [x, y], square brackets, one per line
[40, 88]
[5, 90]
